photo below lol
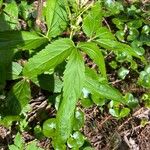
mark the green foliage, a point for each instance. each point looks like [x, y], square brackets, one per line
[48, 58]
[18, 97]
[20, 39]
[19, 144]
[56, 57]
[73, 84]
[76, 140]
[49, 127]
[95, 53]
[122, 72]
[56, 17]
[144, 78]
[93, 21]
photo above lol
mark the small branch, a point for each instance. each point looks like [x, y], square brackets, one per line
[107, 24]
[39, 13]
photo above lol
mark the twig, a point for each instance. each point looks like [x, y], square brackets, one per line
[136, 113]
[39, 13]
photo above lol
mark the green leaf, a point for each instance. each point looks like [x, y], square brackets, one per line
[135, 24]
[120, 35]
[106, 40]
[1, 3]
[5, 65]
[103, 89]
[146, 29]
[56, 17]
[10, 17]
[20, 39]
[144, 79]
[78, 120]
[133, 34]
[98, 100]
[104, 33]
[137, 46]
[49, 127]
[33, 146]
[122, 72]
[113, 64]
[13, 147]
[93, 21]
[131, 101]
[119, 23]
[18, 98]
[117, 47]
[95, 53]
[73, 83]
[48, 58]
[7, 120]
[113, 7]
[18, 141]
[119, 113]
[15, 71]
[86, 102]
[38, 132]
[76, 140]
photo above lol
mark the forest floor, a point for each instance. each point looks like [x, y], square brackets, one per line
[102, 130]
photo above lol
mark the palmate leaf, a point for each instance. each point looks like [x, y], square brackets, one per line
[93, 21]
[56, 17]
[73, 83]
[20, 39]
[17, 98]
[48, 58]
[95, 53]
[101, 88]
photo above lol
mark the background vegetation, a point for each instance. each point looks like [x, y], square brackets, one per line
[61, 59]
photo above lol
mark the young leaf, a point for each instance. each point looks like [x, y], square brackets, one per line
[18, 97]
[122, 73]
[33, 146]
[49, 127]
[73, 84]
[48, 58]
[13, 147]
[20, 39]
[18, 141]
[93, 21]
[95, 53]
[56, 17]
[10, 17]
[76, 140]
[103, 89]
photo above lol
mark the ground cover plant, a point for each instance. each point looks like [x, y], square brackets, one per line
[59, 58]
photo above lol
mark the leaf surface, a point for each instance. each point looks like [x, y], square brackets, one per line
[20, 39]
[56, 17]
[93, 21]
[102, 88]
[18, 97]
[48, 58]
[73, 84]
[95, 53]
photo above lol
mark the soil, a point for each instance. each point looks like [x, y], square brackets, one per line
[103, 131]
